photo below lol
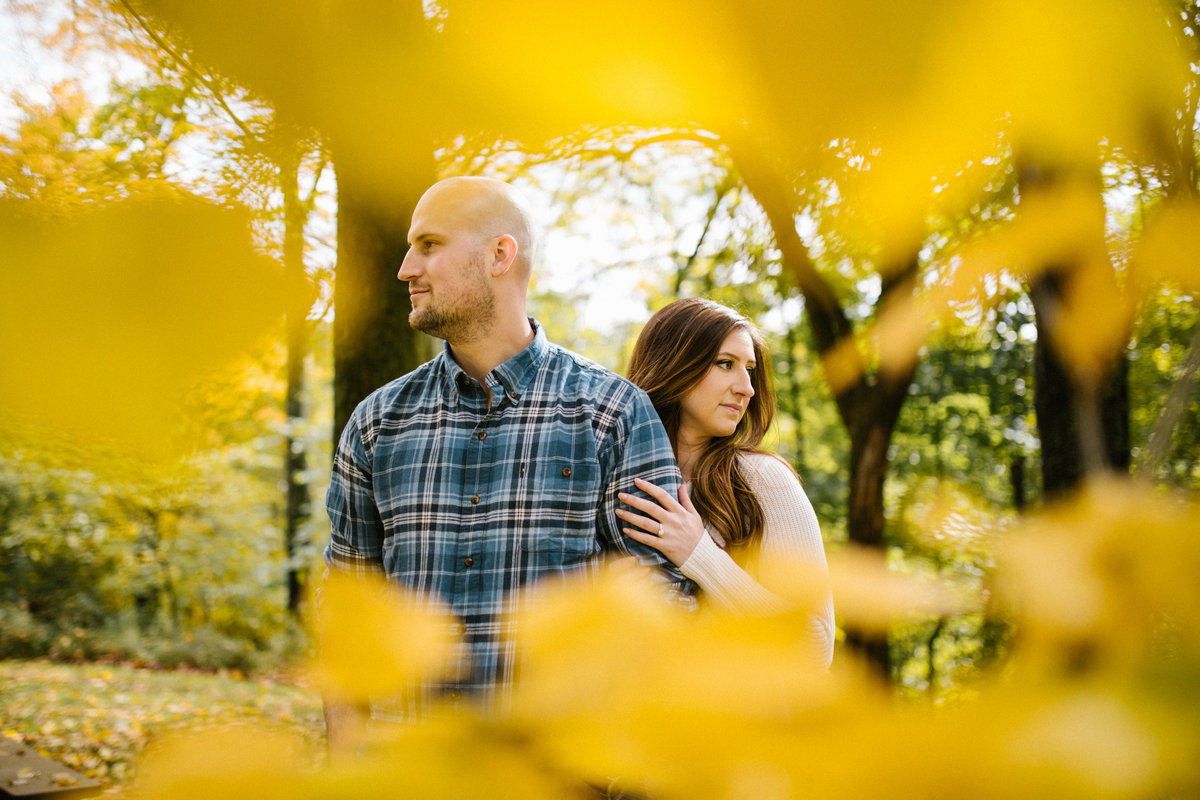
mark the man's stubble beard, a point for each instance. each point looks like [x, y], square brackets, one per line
[467, 322]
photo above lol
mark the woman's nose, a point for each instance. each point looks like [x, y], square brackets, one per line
[745, 386]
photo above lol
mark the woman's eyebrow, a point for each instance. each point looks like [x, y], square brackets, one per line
[734, 356]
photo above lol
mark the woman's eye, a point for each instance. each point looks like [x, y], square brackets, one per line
[725, 364]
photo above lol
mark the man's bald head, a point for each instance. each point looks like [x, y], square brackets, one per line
[488, 208]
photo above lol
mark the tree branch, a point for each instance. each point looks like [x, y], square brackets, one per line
[186, 65]
[1176, 405]
[722, 191]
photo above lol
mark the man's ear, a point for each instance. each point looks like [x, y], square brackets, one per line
[504, 253]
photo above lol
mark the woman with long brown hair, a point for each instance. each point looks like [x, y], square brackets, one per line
[741, 509]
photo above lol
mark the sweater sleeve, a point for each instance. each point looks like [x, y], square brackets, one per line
[791, 534]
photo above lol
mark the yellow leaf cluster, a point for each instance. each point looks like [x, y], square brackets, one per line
[111, 312]
[377, 640]
[619, 689]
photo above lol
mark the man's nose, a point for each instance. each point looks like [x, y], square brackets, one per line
[408, 269]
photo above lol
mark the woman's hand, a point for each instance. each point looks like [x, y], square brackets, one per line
[670, 526]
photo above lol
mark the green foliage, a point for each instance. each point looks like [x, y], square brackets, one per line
[1166, 330]
[102, 557]
[963, 422]
[97, 566]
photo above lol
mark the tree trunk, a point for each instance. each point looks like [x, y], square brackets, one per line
[1072, 423]
[1016, 474]
[1083, 430]
[794, 393]
[1054, 402]
[299, 300]
[869, 404]
[1083, 422]
[372, 340]
[876, 410]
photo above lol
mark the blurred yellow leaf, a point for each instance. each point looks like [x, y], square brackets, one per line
[900, 333]
[1058, 230]
[843, 365]
[1101, 575]
[1067, 73]
[375, 639]
[110, 313]
[599, 64]
[618, 685]
[1169, 250]
[869, 596]
[451, 755]
[236, 761]
[1088, 741]
[368, 75]
[1044, 81]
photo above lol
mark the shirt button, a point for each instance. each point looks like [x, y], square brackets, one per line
[482, 435]
[566, 472]
[468, 561]
[474, 499]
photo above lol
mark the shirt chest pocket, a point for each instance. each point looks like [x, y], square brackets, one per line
[561, 496]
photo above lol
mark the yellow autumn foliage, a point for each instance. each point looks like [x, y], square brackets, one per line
[619, 689]
[112, 311]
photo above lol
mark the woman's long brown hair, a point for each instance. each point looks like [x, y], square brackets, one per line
[674, 352]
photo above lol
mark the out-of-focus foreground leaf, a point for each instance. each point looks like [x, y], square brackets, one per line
[928, 87]
[111, 312]
[619, 688]
[377, 640]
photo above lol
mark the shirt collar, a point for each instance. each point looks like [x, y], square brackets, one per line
[512, 374]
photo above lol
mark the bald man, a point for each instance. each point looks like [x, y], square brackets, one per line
[498, 463]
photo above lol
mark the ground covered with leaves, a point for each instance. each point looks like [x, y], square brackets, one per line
[97, 719]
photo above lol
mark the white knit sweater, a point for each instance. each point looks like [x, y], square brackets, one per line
[790, 534]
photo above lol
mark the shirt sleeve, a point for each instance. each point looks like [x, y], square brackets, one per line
[640, 449]
[356, 529]
[791, 535]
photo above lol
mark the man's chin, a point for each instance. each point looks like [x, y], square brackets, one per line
[425, 322]
[418, 321]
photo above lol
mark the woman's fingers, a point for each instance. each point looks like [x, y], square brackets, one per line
[663, 497]
[642, 504]
[648, 523]
[648, 539]
[684, 499]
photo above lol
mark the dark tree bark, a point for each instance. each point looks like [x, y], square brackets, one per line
[1083, 425]
[794, 392]
[299, 300]
[1069, 414]
[372, 340]
[1054, 401]
[1016, 474]
[869, 402]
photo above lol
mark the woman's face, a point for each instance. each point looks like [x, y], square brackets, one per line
[715, 405]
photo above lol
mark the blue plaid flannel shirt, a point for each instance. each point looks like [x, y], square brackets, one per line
[466, 504]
